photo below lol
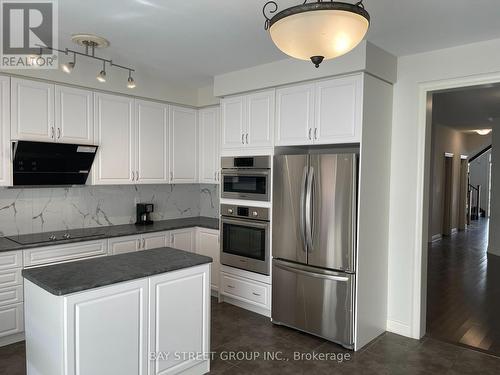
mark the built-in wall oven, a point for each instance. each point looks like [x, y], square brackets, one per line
[246, 178]
[245, 240]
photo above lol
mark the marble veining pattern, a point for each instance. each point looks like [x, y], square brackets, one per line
[48, 209]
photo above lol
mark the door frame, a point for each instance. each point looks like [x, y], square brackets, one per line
[424, 131]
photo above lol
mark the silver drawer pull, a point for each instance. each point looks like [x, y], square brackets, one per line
[230, 286]
[256, 294]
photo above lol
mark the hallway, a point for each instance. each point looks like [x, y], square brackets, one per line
[463, 290]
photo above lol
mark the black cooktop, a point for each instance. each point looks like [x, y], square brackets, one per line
[54, 237]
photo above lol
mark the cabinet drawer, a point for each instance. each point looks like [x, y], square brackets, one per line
[11, 259]
[11, 319]
[64, 253]
[246, 290]
[11, 295]
[11, 278]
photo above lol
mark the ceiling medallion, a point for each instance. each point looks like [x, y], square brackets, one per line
[317, 31]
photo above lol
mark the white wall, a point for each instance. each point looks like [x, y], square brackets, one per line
[407, 178]
[480, 175]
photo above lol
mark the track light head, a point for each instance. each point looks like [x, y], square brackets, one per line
[68, 68]
[101, 77]
[130, 81]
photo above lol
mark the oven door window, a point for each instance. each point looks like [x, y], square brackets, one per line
[245, 184]
[244, 241]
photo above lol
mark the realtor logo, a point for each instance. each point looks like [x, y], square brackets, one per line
[28, 29]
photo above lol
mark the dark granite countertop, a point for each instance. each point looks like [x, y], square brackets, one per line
[65, 278]
[89, 234]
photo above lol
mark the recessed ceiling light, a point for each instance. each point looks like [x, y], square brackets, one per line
[484, 131]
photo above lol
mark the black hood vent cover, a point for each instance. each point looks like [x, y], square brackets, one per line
[51, 164]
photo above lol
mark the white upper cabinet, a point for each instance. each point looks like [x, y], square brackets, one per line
[233, 112]
[115, 135]
[325, 112]
[248, 120]
[32, 110]
[74, 120]
[5, 162]
[295, 115]
[339, 110]
[183, 145]
[152, 142]
[260, 119]
[209, 145]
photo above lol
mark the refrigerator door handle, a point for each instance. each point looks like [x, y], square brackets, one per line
[309, 209]
[299, 270]
[302, 218]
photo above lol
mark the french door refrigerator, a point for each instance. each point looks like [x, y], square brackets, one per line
[314, 244]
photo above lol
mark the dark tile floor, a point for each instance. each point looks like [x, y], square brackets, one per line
[235, 330]
[463, 290]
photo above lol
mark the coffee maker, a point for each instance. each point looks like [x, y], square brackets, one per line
[144, 211]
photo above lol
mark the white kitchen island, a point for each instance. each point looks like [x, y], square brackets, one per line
[132, 314]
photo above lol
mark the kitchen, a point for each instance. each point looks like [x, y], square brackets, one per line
[262, 198]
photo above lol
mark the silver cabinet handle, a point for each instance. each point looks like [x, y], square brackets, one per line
[133, 176]
[243, 138]
[58, 133]
[143, 243]
[215, 175]
[138, 243]
[315, 133]
[230, 286]
[171, 176]
[52, 132]
[310, 129]
[256, 294]
[247, 138]
[137, 175]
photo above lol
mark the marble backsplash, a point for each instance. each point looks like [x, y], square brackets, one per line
[49, 209]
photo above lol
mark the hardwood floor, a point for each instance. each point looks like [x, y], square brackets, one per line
[463, 290]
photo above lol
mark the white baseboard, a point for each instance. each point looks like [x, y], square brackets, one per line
[436, 237]
[399, 328]
[454, 230]
[11, 339]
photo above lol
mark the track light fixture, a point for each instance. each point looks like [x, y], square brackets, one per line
[101, 77]
[130, 81]
[68, 67]
[90, 43]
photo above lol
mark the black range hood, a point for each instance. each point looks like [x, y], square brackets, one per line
[51, 164]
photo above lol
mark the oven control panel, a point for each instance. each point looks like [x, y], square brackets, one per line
[258, 213]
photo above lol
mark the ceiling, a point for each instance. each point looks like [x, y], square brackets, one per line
[468, 109]
[188, 42]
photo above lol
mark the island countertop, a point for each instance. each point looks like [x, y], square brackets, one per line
[66, 278]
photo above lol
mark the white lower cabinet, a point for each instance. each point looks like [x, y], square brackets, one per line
[179, 318]
[122, 245]
[11, 296]
[107, 330]
[183, 239]
[126, 328]
[207, 243]
[64, 253]
[11, 319]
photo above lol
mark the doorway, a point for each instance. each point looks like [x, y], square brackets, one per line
[463, 289]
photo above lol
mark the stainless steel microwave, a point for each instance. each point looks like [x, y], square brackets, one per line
[246, 178]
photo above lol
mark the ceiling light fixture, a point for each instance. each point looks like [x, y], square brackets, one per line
[68, 67]
[90, 42]
[484, 131]
[101, 77]
[317, 31]
[130, 81]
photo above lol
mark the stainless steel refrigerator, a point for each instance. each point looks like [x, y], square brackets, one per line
[314, 244]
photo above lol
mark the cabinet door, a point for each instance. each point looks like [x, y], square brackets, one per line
[339, 107]
[183, 239]
[11, 319]
[233, 123]
[115, 135]
[261, 110]
[209, 145]
[154, 240]
[183, 145]
[108, 330]
[208, 244]
[5, 162]
[122, 245]
[295, 115]
[74, 115]
[152, 142]
[32, 110]
[181, 327]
